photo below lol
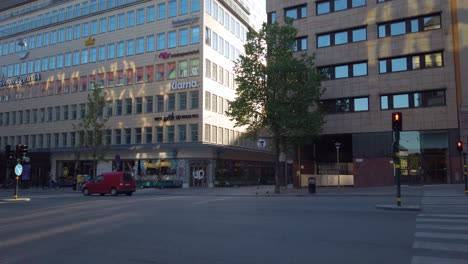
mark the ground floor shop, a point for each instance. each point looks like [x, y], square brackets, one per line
[427, 157]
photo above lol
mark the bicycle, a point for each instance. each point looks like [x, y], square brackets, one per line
[52, 184]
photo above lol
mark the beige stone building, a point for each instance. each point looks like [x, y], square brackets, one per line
[379, 57]
[166, 67]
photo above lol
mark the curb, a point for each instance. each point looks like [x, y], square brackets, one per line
[415, 208]
[16, 200]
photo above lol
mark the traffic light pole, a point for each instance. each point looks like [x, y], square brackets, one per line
[397, 164]
[465, 171]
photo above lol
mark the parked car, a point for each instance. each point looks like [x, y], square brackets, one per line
[113, 183]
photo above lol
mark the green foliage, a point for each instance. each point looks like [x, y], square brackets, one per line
[277, 90]
[92, 128]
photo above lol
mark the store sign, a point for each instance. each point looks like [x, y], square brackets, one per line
[185, 21]
[172, 117]
[183, 85]
[198, 174]
[20, 80]
[166, 55]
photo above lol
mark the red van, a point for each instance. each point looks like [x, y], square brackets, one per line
[113, 183]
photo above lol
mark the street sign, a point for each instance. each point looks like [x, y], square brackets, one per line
[18, 170]
[261, 143]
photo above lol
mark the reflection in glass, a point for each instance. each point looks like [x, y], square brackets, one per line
[341, 38]
[399, 64]
[384, 102]
[398, 28]
[323, 8]
[401, 101]
[433, 60]
[382, 33]
[341, 71]
[414, 25]
[356, 3]
[361, 104]
[323, 41]
[432, 22]
[343, 105]
[383, 66]
[360, 69]
[340, 5]
[291, 13]
[359, 34]
[416, 64]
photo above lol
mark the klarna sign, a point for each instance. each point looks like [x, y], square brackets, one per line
[183, 85]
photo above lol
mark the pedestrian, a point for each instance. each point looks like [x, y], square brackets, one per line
[79, 180]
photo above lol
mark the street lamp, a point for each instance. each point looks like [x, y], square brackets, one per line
[337, 146]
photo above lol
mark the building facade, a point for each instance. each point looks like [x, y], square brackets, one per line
[378, 57]
[166, 67]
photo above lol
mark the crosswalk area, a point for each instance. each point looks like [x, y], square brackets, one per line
[441, 239]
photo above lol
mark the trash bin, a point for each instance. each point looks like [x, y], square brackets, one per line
[311, 185]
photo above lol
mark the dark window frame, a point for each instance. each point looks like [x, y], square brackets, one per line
[409, 61]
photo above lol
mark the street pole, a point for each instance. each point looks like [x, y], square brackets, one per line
[396, 161]
[465, 172]
[337, 146]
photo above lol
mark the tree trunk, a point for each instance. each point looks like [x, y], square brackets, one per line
[277, 165]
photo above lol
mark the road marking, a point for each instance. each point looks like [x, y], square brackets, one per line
[441, 235]
[462, 221]
[444, 215]
[433, 260]
[212, 200]
[440, 246]
[441, 227]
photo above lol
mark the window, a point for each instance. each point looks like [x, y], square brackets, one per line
[208, 36]
[121, 21]
[183, 69]
[411, 62]
[110, 79]
[120, 77]
[345, 105]
[112, 23]
[171, 39]
[344, 71]
[149, 76]
[296, 12]
[148, 104]
[130, 18]
[271, 18]
[182, 132]
[183, 7]
[111, 51]
[207, 100]
[207, 133]
[120, 49]
[413, 100]
[148, 135]
[102, 53]
[301, 44]
[130, 47]
[138, 136]
[195, 35]
[127, 136]
[172, 8]
[117, 136]
[194, 67]
[171, 70]
[128, 106]
[130, 76]
[108, 108]
[195, 5]
[94, 27]
[170, 134]
[118, 107]
[92, 54]
[183, 37]
[150, 43]
[194, 100]
[328, 6]
[182, 101]
[161, 11]
[160, 72]
[341, 37]
[159, 103]
[161, 45]
[140, 16]
[171, 102]
[139, 74]
[409, 25]
[103, 25]
[150, 14]
[159, 135]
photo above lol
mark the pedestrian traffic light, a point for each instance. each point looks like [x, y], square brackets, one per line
[24, 150]
[460, 146]
[397, 121]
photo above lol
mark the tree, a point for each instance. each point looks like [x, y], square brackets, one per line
[92, 128]
[278, 91]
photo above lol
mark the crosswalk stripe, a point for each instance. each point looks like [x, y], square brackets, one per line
[442, 227]
[444, 215]
[433, 260]
[440, 246]
[442, 220]
[441, 235]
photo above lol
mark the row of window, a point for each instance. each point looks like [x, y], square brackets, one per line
[410, 25]
[219, 74]
[387, 65]
[221, 45]
[85, 8]
[149, 73]
[226, 19]
[216, 104]
[129, 106]
[110, 51]
[390, 101]
[127, 136]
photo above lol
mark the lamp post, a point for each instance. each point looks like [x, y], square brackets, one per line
[337, 146]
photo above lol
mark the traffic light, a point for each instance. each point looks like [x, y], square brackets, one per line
[18, 150]
[8, 152]
[460, 146]
[24, 150]
[397, 121]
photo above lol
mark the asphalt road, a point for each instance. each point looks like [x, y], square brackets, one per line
[149, 228]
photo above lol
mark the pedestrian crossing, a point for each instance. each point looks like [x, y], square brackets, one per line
[441, 239]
